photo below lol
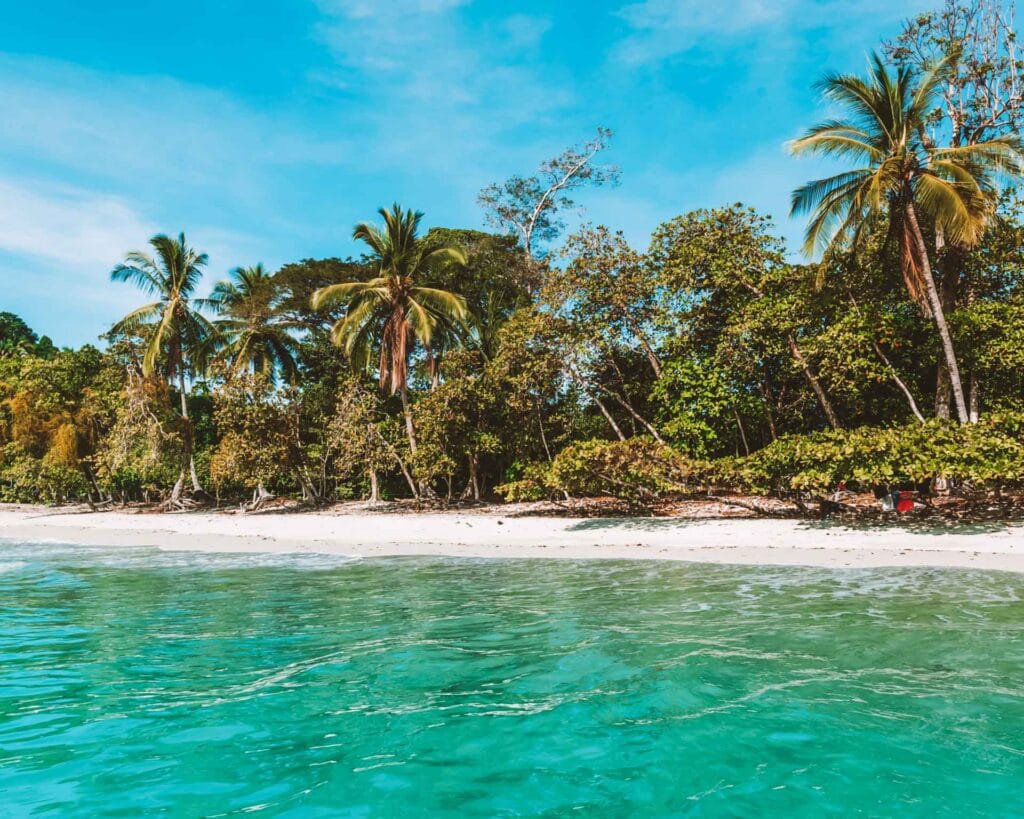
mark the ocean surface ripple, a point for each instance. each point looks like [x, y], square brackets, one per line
[138, 681]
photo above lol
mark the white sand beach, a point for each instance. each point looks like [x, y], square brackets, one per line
[493, 535]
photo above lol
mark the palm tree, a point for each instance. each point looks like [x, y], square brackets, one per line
[898, 171]
[175, 332]
[252, 334]
[391, 309]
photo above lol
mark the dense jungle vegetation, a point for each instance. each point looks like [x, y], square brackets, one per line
[533, 362]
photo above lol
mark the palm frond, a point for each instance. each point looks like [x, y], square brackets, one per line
[140, 271]
[336, 293]
[371, 235]
[953, 206]
[156, 342]
[421, 320]
[441, 302]
[357, 315]
[807, 197]
[1004, 154]
[139, 317]
[828, 140]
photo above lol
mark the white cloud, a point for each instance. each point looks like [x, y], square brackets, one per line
[146, 130]
[397, 9]
[523, 31]
[68, 226]
[662, 28]
[697, 15]
[437, 92]
[60, 242]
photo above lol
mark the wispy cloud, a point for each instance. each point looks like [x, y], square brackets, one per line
[439, 90]
[657, 29]
[68, 226]
[134, 128]
[660, 28]
[61, 240]
[92, 164]
[397, 9]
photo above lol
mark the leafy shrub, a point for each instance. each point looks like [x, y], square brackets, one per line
[531, 485]
[637, 471]
[24, 479]
[987, 454]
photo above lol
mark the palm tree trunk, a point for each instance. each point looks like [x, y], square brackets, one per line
[474, 480]
[410, 429]
[187, 440]
[952, 273]
[421, 487]
[543, 434]
[408, 478]
[179, 485]
[374, 486]
[769, 415]
[812, 379]
[938, 314]
[196, 486]
[943, 391]
[309, 491]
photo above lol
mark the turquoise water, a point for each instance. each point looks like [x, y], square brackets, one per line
[188, 685]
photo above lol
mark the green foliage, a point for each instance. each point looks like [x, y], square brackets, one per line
[505, 363]
[15, 335]
[637, 471]
[256, 426]
[252, 334]
[988, 454]
[390, 310]
[140, 457]
[459, 423]
[54, 413]
[360, 438]
[697, 406]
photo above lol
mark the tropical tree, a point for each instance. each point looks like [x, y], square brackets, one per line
[491, 283]
[175, 333]
[530, 207]
[253, 335]
[391, 310]
[899, 172]
[982, 95]
[15, 335]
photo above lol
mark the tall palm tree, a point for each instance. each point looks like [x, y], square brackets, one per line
[898, 171]
[391, 309]
[252, 334]
[175, 332]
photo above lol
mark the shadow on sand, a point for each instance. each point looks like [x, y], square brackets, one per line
[931, 525]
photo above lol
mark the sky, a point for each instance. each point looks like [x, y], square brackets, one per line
[266, 129]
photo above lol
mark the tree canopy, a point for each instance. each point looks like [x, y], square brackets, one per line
[554, 357]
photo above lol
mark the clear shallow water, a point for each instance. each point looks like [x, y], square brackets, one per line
[198, 685]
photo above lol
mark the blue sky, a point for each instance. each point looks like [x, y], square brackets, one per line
[266, 130]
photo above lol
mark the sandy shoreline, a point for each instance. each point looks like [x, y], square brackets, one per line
[746, 541]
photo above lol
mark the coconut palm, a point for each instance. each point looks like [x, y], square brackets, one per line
[899, 172]
[391, 310]
[252, 334]
[175, 332]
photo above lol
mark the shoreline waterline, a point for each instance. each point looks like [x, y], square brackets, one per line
[730, 541]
